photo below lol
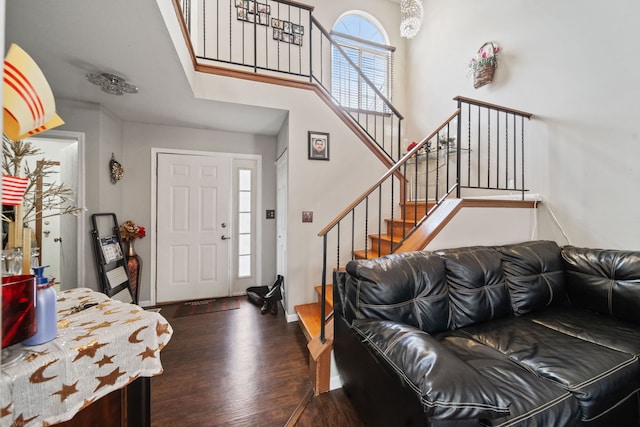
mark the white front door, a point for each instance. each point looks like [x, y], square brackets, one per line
[194, 227]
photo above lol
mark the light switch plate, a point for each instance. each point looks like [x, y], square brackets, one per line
[271, 214]
[307, 216]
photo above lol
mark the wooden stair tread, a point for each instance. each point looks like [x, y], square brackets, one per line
[329, 294]
[309, 315]
[385, 237]
[400, 221]
[369, 255]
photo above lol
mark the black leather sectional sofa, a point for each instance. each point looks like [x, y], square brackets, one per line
[528, 334]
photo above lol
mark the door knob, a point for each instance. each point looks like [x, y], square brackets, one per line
[225, 238]
[223, 225]
[57, 239]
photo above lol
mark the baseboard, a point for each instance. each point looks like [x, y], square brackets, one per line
[146, 303]
[291, 317]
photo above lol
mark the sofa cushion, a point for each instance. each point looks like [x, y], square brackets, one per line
[535, 275]
[448, 387]
[590, 326]
[409, 288]
[598, 377]
[477, 287]
[606, 281]
[535, 401]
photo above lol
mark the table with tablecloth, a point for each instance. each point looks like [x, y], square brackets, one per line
[98, 349]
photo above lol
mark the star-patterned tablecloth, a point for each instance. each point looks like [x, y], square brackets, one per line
[97, 350]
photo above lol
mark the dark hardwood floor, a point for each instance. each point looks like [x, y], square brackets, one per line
[239, 368]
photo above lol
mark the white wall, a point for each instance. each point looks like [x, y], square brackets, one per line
[487, 226]
[573, 65]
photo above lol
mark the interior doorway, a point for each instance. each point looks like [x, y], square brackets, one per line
[59, 237]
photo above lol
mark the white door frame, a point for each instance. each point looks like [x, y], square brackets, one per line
[76, 138]
[154, 219]
[282, 184]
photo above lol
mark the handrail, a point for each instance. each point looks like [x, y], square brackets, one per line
[296, 4]
[492, 106]
[355, 66]
[386, 175]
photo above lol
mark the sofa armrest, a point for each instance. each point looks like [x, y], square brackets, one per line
[447, 387]
[604, 280]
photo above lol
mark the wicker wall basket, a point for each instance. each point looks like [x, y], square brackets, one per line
[483, 76]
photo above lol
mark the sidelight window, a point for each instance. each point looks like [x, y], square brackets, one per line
[245, 215]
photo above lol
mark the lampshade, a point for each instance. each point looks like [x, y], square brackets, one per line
[29, 105]
[411, 13]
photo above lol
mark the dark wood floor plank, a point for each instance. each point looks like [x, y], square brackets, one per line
[239, 368]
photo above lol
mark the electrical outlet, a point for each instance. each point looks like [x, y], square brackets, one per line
[271, 214]
[307, 216]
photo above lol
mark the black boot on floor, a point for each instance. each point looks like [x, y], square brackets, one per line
[265, 307]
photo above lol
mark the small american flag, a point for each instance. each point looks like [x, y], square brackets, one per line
[13, 189]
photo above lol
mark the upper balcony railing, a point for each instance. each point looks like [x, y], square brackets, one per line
[282, 38]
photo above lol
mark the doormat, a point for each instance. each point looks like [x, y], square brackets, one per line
[207, 306]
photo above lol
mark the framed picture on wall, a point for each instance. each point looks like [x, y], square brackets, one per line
[318, 145]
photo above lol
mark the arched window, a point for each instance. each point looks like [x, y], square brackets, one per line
[365, 43]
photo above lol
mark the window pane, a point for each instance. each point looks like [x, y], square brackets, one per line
[244, 180]
[244, 202]
[244, 266]
[244, 244]
[244, 223]
[348, 87]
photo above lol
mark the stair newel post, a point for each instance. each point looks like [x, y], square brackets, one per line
[405, 199]
[323, 297]
[399, 138]
[458, 148]
[338, 247]
[380, 220]
[522, 155]
[392, 246]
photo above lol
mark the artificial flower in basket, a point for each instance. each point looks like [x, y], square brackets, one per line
[422, 150]
[484, 63]
[129, 231]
